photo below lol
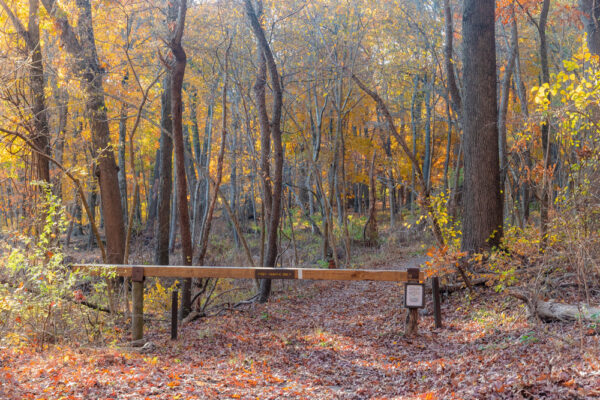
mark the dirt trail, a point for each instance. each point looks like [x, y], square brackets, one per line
[325, 340]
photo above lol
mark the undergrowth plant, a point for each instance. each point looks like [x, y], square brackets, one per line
[40, 301]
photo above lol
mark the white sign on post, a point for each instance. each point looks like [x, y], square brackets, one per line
[414, 295]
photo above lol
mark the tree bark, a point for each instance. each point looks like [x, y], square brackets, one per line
[165, 181]
[453, 89]
[482, 204]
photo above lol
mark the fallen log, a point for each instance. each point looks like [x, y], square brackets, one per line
[549, 311]
[552, 311]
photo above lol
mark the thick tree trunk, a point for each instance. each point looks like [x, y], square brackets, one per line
[482, 204]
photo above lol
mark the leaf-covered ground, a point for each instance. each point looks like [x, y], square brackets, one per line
[327, 340]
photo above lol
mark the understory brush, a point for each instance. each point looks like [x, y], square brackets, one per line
[41, 298]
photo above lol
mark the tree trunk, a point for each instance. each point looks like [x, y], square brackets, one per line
[178, 73]
[415, 118]
[165, 184]
[482, 204]
[92, 221]
[152, 196]
[453, 90]
[275, 130]
[428, 156]
[504, 100]
[42, 132]
[121, 154]
[545, 126]
[590, 16]
[370, 231]
[522, 95]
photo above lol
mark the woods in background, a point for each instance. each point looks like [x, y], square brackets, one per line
[151, 119]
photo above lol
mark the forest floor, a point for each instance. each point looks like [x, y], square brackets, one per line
[328, 340]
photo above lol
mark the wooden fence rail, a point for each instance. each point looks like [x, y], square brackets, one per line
[138, 272]
[162, 271]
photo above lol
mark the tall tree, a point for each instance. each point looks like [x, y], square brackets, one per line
[482, 210]
[177, 76]
[267, 61]
[165, 175]
[80, 43]
[31, 37]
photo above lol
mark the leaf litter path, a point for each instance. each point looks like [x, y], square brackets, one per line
[327, 340]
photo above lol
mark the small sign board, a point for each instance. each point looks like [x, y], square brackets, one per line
[414, 295]
[277, 273]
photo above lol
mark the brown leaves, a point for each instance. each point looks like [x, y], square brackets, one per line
[324, 341]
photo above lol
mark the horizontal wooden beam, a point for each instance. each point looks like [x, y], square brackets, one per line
[249, 272]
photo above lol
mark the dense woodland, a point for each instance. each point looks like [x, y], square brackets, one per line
[459, 135]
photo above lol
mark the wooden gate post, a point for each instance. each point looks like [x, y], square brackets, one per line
[412, 325]
[174, 297]
[137, 293]
[437, 311]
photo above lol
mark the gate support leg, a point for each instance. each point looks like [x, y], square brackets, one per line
[137, 292]
[437, 311]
